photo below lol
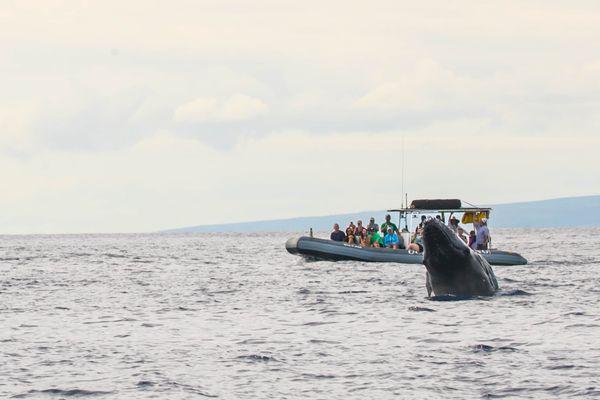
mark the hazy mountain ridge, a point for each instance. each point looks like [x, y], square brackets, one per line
[581, 211]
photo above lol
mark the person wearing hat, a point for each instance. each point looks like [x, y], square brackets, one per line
[482, 239]
[388, 223]
[453, 223]
[391, 240]
[375, 239]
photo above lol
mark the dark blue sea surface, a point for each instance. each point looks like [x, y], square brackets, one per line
[180, 316]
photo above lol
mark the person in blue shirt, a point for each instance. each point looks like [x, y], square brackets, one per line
[391, 240]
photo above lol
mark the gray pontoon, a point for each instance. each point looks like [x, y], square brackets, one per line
[324, 249]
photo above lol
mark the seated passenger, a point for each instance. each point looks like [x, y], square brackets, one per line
[472, 240]
[372, 225]
[363, 241]
[417, 243]
[360, 232]
[375, 238]
[350, 233]
[421, 224]
[391, 240]
[337, 235]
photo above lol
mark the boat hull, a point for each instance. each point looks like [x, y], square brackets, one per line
[329, 250]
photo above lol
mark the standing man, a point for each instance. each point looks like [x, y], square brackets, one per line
[337, 235]
[388, 224]
[483, 235]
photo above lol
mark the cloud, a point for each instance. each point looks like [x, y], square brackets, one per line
[424, 86]
[238, 107]
[225, 80]
[15, 121]
[173, 179]
[196, 111]
[126, 122]
[92, 121]
[221, 123]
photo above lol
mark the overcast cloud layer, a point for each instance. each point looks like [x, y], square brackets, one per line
[137, 116]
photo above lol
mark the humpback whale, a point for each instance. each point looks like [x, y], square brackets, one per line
[452, 267]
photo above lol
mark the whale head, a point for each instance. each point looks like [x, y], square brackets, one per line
[452, 267]
[444, 250]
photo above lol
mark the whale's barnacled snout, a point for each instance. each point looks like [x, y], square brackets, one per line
[441, 243]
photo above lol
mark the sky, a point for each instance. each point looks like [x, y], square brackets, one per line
[136, 116]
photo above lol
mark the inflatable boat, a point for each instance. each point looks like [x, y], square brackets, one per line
[323, 249]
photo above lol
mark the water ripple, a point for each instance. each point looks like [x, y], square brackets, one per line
[235, 316]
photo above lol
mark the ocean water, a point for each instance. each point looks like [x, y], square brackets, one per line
[237, 317]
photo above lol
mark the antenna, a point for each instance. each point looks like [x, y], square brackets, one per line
[404, 200]
[402, 174]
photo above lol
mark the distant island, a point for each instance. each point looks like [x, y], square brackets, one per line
[581, 211]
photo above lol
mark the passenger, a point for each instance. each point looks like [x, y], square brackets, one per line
[360, 232]
[472, 240]
[372, 225]
[461, 234]
[421, 224]
[369, 236]
[417, 243]
[350, 233]
[438, 217]
[364, 241]
[388, 223]
[483, 235]
[375, 239]
[453, 224]
[337, 235]
[391, 240]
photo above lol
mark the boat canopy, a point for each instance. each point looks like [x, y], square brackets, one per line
[427, 206]
[471, 213]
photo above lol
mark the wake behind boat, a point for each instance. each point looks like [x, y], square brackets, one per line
[324, 249]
